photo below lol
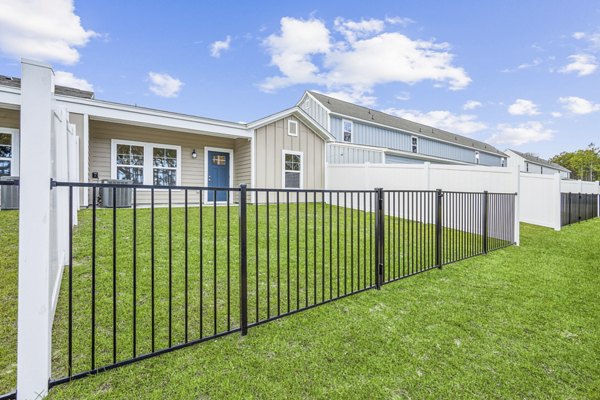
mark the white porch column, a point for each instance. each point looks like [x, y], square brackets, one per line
[34, 315]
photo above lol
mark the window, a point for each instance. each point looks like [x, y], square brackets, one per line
[502, 161]
[414, 144]
[477, 157]
[292, 127]
[292, 170]
[165, 166]
[146, 163]
[347, 128]
[219, 160]
[9, 152]
[6, 154]
[130, 163]
[527, 166]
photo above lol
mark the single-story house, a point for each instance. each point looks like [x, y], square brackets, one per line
[288, 149]
[154, 147]
[365, 135]
[530, 163]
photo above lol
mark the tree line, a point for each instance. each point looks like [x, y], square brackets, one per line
[584, 164]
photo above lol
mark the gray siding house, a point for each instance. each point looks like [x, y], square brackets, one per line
[535, 165]
[365, 135]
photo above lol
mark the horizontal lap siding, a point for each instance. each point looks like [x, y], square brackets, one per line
[352, 155]
[192, 170]
[10, 118]
[272, 139]
[371, 135]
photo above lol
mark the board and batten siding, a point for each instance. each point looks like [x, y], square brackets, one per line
[371, 135]
[315, 110]
[272, 139]
[342, 154]
[395, 159]
[192, 170]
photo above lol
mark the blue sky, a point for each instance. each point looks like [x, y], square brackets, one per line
[518, 74]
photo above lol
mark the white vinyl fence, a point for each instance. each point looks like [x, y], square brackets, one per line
[426, 176]
[540, 197]
[48, 151]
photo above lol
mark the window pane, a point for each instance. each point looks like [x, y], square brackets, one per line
[164, 157]
[347, 136]
[130, 155]
[292, 180]
[347, 126]
[219, 160]
[165, 177]
[4, 168]
[5, 138]
[131, 174]
[5, 151]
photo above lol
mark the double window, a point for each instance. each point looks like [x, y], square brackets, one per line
[347, 130]
[292, 169]
[146, 163]
[9, 151]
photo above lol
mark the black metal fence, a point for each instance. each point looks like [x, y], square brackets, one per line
[178, 267]
[577, 207]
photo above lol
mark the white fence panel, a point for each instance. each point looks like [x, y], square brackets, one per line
[539, 199]
[569, 186]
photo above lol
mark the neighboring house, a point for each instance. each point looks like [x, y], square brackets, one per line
[365, 135]
[153, 147]
[530, 163]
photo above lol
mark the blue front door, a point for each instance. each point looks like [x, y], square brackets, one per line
[218, 174]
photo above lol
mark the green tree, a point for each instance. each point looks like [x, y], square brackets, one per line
[584, 164]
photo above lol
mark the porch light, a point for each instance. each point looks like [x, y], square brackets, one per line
[194, 154]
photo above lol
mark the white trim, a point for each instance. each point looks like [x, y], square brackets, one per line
[15, 150]
[411, 144]
[86, 157]
[477, 157]
[296, 153]
[301, 115]
[351, 131]
[253, 165]
[220, 150]
[419, 135]
[296, 124]
[148, 158]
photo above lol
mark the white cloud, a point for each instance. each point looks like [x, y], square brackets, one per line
[528, 132]
[403, 96]
[216, 48]
[534, 63]
[581, 64]
[472, 104]
[556, 114]
[464, 124]
[353, 30]
[67, 79]
[578, 35]
[523, 107]
[402, 21]
[355, 57]
[578, 105]
[593, 39]
[44, 30]
[164, 85]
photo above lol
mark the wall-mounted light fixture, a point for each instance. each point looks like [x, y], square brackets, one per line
[194, 154]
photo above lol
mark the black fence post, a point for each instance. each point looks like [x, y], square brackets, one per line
[485, 221]
[438, 228]
[243, 262]
[570, 195]
[379, 239]
[579, 208]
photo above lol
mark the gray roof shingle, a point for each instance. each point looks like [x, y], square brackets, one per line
[60, 90]
[540, 161]
[368, 115]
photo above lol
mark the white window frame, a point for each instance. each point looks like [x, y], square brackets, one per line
[477, 157]
[148, 159]
[417, 144]
[283, 170]
[14, 159]
[290, 123]
[351, 131]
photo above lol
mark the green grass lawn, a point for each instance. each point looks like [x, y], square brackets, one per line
[523, 322]
[9, 236]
